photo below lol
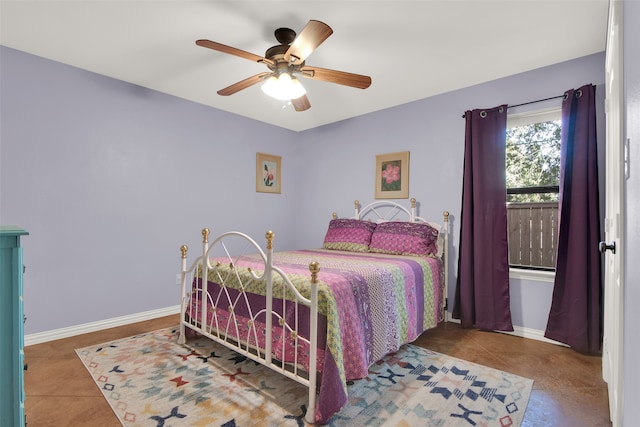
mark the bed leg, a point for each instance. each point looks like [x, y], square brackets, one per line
[309, 417]
[182, 337]
[314, 268]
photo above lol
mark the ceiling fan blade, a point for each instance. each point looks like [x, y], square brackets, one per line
[242, 84]
[301, 104]
[311, 36]
[340, 77]
[233, 51]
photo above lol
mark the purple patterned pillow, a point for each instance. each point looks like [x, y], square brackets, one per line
[404, 238]
[349, 235]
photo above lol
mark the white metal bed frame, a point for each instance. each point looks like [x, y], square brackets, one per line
[203, 266]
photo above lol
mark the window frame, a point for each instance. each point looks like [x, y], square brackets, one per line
[530, 274]
[544, 274]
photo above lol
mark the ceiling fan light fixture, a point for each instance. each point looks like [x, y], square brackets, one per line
[284, 87]
[286, 61]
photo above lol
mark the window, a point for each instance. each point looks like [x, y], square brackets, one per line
[533, 179]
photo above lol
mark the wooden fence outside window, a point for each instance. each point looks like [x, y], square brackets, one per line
[533, 234]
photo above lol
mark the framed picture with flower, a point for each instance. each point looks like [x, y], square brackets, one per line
[392, 176]
[268, 173]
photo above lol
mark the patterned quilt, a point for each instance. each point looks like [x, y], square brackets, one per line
[371, 304]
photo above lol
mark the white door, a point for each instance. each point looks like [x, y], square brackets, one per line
[614, 222]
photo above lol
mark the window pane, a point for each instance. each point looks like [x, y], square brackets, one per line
[533, 229]
[533, 167]
[533, 159]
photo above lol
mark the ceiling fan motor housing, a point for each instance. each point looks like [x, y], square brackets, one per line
[276, 53]
[281, 65]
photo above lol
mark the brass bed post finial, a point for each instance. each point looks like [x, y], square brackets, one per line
[334, 215]
[356, 204]
[445, 214]
[413, 202]
[314, 268]
[205, 235]
[270, 235]
[184, 249]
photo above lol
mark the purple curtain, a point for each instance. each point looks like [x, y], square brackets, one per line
[576, 309]
[482, 291]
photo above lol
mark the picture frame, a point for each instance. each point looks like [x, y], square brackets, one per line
[268, 173]
[392, 176]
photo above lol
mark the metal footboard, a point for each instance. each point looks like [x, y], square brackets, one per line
[236, 305]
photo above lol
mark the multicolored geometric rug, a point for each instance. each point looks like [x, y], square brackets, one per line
[151, 380]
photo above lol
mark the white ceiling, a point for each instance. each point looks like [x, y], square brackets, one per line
[411, 49]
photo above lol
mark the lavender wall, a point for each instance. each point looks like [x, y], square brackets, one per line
[103, 175]
[109, 180]
[631, 39]
[341, 159]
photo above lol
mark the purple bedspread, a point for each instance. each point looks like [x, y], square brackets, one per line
[370, 303]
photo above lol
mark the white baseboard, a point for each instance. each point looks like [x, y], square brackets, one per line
[521, 331]
[535, 334]
[57, 334]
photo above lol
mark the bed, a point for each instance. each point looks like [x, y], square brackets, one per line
[321, 316]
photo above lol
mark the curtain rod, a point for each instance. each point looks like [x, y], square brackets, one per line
[531, 102]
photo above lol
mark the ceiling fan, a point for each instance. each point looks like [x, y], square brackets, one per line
[286, 61]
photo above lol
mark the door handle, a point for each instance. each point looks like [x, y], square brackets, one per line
[603, 247]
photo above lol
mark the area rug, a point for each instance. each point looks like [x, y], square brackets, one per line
[151, 380]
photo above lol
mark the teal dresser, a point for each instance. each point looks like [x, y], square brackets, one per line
[11, 328]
